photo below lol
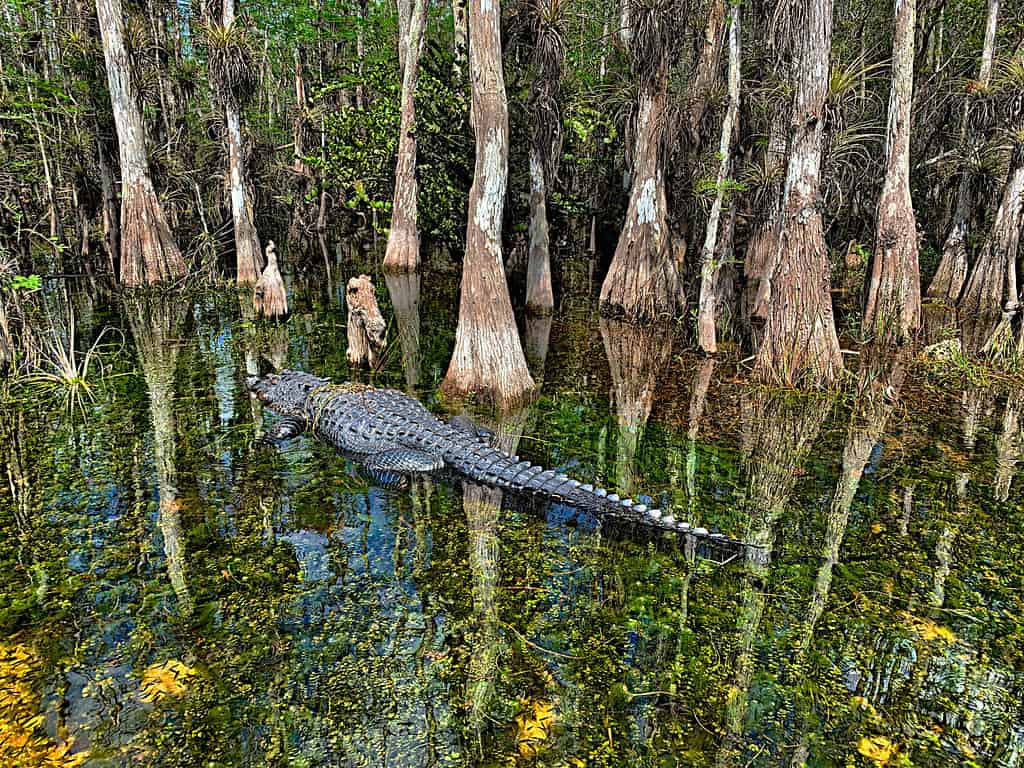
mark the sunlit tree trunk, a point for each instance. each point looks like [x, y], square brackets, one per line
[711, 255]
[893, 310]
[149, 253]
[248, 251]
[403, 251]
[762, 244]
[643, 280]
[548, 56]
[800, 343]
[948, 282]
[488, 358]
[993, 283]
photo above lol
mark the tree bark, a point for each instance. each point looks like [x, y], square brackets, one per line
[488, 358]
[710, 254]
[111, 210]
[643, 280]
[403, 250]
[800, 343]
[248, 251]
[893, 310]
[993, 283]
[540, 298]
[705, 73]
[761, 247]
[149, 253]
[948, 282]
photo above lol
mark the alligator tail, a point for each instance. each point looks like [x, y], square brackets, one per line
[497, 468]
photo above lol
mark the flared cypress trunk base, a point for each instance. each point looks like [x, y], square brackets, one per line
[403, 251]
[800, 346]
[149, 253]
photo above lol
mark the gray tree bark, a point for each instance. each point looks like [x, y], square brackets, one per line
[488, 358]
[893, 312]
[149, 253]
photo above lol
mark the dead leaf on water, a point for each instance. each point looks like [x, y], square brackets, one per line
[169, 678]
[877, 749]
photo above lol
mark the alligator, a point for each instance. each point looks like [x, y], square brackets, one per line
[394, 436]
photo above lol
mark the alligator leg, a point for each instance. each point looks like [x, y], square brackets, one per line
[403, 461]
[465, 424]
[286, 429]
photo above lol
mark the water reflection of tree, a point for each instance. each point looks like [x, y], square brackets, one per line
[878, 389]
[482, 506]
[156, 322]
[1009, 443]
[786, 426]
[636, 355]
[404, 289]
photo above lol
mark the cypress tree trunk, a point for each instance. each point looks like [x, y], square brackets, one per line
[540, 298]
[948, 282]
[993, 282]
[643, 280]
[800, 343]
[149, 253]
[488, 358]
[761, 247]
[403, 251]
[710, 254]
[248, 252]
[893, 310]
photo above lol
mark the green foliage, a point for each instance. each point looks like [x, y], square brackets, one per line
[359, 159]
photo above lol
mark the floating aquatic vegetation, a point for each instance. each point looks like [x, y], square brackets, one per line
[168, 678]
[533, 727]
[878, 749]
[23, 739]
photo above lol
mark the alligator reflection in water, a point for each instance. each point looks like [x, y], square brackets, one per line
[335, 622]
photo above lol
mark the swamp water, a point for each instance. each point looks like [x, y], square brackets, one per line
[173, 593]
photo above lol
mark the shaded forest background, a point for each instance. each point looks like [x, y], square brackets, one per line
[319, 88]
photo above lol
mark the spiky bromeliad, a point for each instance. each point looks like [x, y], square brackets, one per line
[392, 435]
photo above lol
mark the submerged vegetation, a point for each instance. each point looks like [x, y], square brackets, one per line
[176, 593]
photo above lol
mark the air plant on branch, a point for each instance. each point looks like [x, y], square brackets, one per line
[230, 59]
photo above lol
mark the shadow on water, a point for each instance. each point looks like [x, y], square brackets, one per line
[174, 592]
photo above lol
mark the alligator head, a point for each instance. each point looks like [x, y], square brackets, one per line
[286, 392]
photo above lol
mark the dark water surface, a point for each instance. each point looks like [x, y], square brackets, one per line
[174, 594]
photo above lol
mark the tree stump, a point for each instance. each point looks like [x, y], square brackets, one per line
[366, 327]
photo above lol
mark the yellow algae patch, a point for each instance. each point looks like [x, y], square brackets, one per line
[169, 678]
[877, 749]
[533, 727]
[928, 629]
[23, 740]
